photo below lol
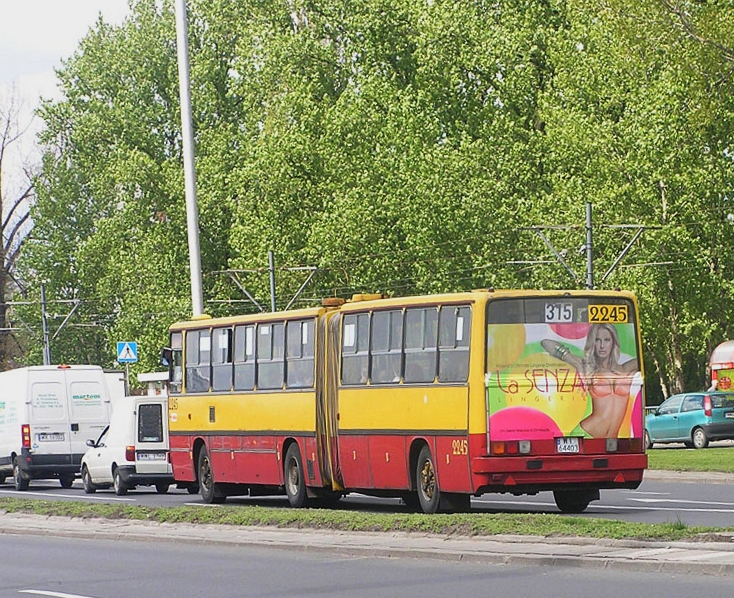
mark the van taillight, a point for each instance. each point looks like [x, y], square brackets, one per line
[130, 453]
[707, 408]
[25, 432]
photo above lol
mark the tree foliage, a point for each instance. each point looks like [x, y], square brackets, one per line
[399, 147]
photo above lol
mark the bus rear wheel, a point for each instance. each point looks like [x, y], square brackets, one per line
[210, 494]
[574, 501]
[295, 483]
[429, 494]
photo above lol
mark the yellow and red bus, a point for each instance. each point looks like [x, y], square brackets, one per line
[432, 399]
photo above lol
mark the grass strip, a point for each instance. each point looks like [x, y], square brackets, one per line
[682, 459]
[464, 524]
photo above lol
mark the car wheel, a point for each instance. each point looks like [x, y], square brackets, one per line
[429, 494]
[295, 483]
[647, 441]
[21, 482]
[66, 481]
[89, 487]
[118, 483]
[209, 491]
[161, 488]
[700, 440]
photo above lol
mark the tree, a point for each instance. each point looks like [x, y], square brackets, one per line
[16, 198]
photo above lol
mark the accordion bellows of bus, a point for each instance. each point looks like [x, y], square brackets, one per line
[432, 399]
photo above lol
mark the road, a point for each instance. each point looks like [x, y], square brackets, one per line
[70, 568]
[700, 503]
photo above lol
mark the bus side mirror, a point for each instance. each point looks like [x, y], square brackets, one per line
[166, 356]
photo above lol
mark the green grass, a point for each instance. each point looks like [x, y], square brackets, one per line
[465, 524]
[683, 459]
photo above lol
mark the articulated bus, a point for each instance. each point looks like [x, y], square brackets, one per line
[433, 399]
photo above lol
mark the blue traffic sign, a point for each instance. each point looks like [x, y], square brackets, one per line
[127, 352]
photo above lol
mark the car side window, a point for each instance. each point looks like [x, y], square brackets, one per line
[692, 403]
[672, 405]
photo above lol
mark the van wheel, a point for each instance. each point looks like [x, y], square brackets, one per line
[89, 487]
[192, 488]
[295, 483]
[574, 501]
[21, 483]
[209, 491]
[66, 481]
[2, 479]
[161, 488]
[118, 483]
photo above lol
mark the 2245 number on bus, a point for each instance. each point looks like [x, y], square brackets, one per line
[608, 314]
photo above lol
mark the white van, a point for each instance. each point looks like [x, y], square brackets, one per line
[46, 415]
[133, 450]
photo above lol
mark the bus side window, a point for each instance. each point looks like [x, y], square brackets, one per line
[454, 329]
[198, 352]
[222, 359]
[355, 346]
[299, 354]
[420, 344]
[244, 357]
[387, 346]
[270, 355]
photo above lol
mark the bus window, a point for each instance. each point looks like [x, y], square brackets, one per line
[244, 357]
[387, 346]
[355, 346]
[222, 359]
[453, 343]
[420, 344]
[198, 351]
[299, 353]
[270, 354]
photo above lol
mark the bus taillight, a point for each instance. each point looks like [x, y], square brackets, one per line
[509, 447]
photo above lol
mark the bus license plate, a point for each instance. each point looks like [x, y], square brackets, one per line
[51, 437]
[567, 445]
[151, 456]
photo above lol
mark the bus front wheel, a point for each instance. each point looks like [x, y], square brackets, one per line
[429, 494]
[209, 491]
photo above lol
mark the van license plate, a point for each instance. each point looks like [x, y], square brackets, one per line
[51, 437]
[151, 456]
[567, 445]
[729, 415]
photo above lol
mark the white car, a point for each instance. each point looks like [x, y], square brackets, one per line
[133, 450]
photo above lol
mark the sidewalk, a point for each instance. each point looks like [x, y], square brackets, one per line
[702, 558]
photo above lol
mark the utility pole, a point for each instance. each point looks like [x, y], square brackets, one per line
[589, 250]
[187, 133]
[46, 342]
[271, 267]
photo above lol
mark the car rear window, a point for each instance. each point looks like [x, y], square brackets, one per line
[723, 400]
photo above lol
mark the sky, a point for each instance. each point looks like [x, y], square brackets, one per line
[35, 36]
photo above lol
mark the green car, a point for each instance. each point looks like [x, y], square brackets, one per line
[694, 418]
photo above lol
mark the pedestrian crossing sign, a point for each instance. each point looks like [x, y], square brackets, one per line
[127, 352]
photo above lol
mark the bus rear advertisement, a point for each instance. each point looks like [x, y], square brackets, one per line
[432, 399]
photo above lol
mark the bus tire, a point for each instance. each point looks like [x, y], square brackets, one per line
[574, 501]
[429, 494]
[210, 494]
[295, 482]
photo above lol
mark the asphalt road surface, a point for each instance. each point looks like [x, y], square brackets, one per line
[69, 568]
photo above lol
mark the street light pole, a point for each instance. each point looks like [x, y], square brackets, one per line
[187, 132]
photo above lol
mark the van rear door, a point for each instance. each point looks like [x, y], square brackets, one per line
[49, 417]
[89, 408]
[151, 437]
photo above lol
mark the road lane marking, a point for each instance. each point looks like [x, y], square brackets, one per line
[86, 497]
[55, 594]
